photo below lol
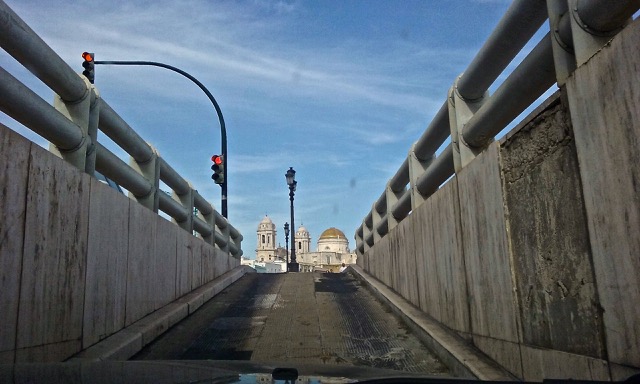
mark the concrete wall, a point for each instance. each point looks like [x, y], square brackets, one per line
[532, 251]
[80, 261]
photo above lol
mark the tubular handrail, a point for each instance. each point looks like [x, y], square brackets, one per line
[173, 208]
[399, 181]
[528, 81]
[435, 134]
[439, 171]
[202, 227]
[173, 179]
[381, 203]
[524, 85]
[603, 16]
[515, 28]
[402, 208]
[21, 42]
[117, 170]
[26, 107]
[221, 222]
[201, 204]
[30, 110]
[114, 126]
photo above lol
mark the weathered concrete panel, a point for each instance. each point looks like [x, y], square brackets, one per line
[141, 292]
[218, 262]
[393, 265]
[385, 262]
[441, 210]
[208, 263]
[402, 249]
[196, 267]
[184, 263]
[621, 372]
[374, 261]
[165, 261]
[540, 364]
[549, 237]
[505, 353]
[604, 95]
[428, 279]
[49, 352]
[363, 261]
[55, 248]
[14, 157]
[487, 261]
[108, 242]
[368, 262]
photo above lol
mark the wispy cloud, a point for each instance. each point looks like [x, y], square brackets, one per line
[154, 31]
[324, 95]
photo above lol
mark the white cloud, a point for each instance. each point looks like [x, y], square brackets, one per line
[280, 83]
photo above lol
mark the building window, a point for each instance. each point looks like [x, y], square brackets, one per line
[262, 239]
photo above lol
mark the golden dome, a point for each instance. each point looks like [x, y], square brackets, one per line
[332, 233]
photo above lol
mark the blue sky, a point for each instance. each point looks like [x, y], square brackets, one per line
[338, 90]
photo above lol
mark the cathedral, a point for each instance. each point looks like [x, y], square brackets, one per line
[332, 248]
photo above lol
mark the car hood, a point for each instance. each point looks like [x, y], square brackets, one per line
[185, 371]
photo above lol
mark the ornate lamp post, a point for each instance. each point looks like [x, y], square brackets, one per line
[291, 182]
[286, 241]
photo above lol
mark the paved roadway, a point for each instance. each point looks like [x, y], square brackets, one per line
[303, 318]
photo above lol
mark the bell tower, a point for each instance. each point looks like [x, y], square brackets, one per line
[303, 240]
[266, 244]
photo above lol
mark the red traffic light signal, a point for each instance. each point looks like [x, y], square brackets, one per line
[88, 66]
[218, 169]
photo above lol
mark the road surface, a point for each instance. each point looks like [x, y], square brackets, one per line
[303, 318]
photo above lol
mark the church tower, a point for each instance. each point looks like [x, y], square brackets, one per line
[303, 240]
[266, 249]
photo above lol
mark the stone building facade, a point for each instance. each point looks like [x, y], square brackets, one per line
[332, 248]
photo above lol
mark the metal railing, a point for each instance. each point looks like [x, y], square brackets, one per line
[471, 118]
[72, 123]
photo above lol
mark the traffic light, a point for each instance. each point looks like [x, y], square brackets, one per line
[89, 66]
[218, 169]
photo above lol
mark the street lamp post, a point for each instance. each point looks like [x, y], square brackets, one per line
[291, 182]
[286, 242]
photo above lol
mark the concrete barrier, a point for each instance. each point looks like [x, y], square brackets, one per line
[79, 261]
[530, 253]
[130, 340]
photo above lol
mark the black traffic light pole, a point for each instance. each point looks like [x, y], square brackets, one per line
[223, 129]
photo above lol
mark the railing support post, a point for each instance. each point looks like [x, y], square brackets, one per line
[366, 232]
[376, 220]
[210, 219]
[150, 169]
[78, 112]
[186, 200]
[460, 111]
[223, 226]
[586, 41]
[392, 199]
[92, 131]
[563, 54]
[416, 169]
[359, 242]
